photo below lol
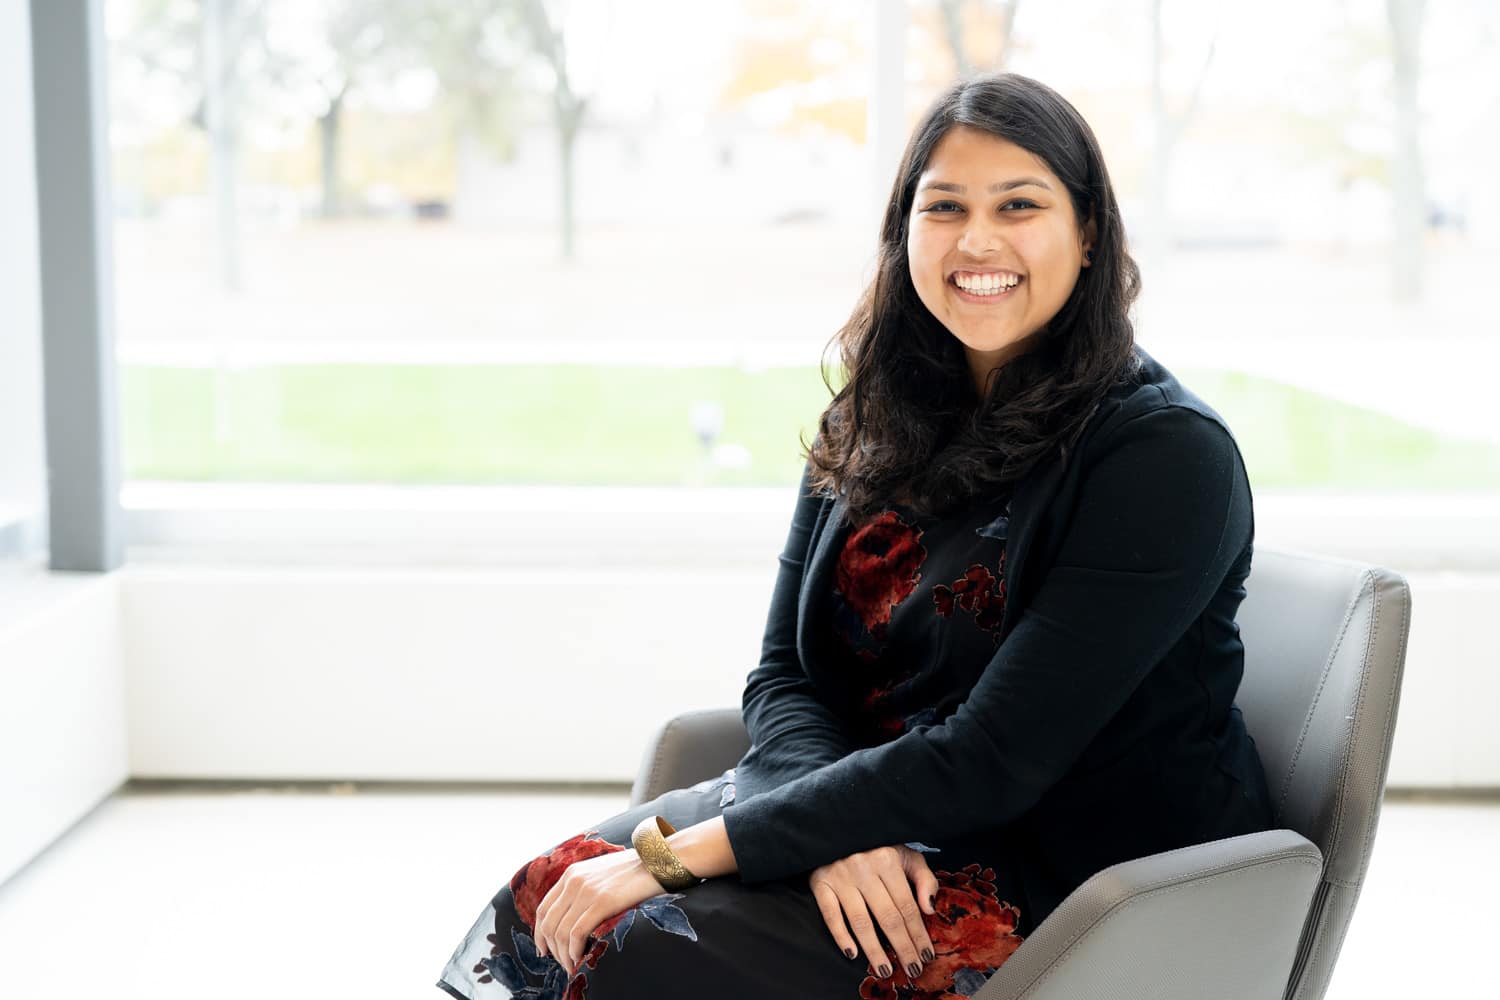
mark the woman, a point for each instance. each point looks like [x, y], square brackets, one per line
[1001, 652]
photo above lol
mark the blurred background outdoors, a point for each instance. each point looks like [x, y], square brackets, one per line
[495, 241]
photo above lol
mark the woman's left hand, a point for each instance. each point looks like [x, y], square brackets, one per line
[588, 893]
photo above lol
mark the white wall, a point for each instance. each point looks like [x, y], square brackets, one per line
[469, 673]
[457, 674]
[298, 673]
[62, 705]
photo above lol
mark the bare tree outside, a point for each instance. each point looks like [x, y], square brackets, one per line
[354, 39]
[1408, 194]
[568, 108]
[232, 33]
[998, 18]
[1167, 128]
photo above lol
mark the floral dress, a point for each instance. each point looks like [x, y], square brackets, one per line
[915, 615]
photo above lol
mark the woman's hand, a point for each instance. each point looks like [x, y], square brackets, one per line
[876, 881]
[588, 893]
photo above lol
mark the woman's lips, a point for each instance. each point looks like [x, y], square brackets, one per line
[985, 300]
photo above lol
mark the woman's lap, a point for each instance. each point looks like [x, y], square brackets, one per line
[722, 937]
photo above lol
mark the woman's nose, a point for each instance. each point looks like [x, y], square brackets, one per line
[978, 239]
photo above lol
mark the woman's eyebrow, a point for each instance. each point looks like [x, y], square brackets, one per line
[1000, 186]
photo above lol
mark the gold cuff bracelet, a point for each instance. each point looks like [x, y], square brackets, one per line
[650, 840]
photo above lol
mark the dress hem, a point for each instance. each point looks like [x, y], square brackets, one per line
[451, 991]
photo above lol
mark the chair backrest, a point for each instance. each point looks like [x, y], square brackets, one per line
[1325, 645]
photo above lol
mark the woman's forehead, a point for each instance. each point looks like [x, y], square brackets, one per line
[978, 154]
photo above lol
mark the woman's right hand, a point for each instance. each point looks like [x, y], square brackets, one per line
[887, 882]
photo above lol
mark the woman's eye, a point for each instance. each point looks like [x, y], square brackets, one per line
[1021, 203]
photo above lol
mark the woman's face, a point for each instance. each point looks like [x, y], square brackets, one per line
[993, 245]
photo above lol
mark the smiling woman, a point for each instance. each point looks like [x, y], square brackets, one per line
[1000, 653]
[1002, 258]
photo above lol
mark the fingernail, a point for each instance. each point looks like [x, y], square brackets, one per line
[849, 952]
[884, 970]
[914, 970]
[927, 955]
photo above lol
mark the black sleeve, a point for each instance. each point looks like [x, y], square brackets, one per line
[1162, 513]
[792, 732]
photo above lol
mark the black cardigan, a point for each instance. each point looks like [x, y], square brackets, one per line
[1103, 728]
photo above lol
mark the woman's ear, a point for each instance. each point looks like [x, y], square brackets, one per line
[1089, 235]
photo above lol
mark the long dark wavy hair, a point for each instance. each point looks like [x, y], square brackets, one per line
[908, 421]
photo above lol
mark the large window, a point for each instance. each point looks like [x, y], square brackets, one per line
[415, 241]
[23, 476]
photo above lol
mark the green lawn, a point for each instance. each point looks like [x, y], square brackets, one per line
[581, 424]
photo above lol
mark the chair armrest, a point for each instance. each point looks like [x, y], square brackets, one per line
[689, 748]
[1221, 919]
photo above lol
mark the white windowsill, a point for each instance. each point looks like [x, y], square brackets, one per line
[500, 526]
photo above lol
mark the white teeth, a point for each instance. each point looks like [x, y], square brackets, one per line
[986, 284]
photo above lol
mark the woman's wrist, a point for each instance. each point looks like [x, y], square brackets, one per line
[649, 838]
[704, 848]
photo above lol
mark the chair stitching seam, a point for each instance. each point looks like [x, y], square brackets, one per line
[1359, 698]
[1303, 986]
[1312, 710]
[1125, 904]
[1338, 811]
[659, 757]
[1390, 709]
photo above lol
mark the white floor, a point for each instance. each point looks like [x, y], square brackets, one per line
[350, 892]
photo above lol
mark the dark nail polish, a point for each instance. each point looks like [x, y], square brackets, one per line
[914, 970]
[927, 955]
[849, 952]
[932, 901]
[884, 970]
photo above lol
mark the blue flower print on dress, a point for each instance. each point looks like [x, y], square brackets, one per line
[529, 886]
[998, 528]
[514, 971]
[724, 782]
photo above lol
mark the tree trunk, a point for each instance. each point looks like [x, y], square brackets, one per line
[221, 122]
[565, 137]
[328, 129]
[953, 22]
[1408, 198]
[1007, 26]
[1157, 226]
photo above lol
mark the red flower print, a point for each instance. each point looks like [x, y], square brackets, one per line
[529, 885]
[876, 713]
[973, 588]
[878, 568]
[977, 592]
[516, 964]
[972, 932]
[601, 943]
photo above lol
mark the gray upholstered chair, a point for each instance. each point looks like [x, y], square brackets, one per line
[1255, 917]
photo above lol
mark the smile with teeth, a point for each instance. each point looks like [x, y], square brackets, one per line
[985, 285]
